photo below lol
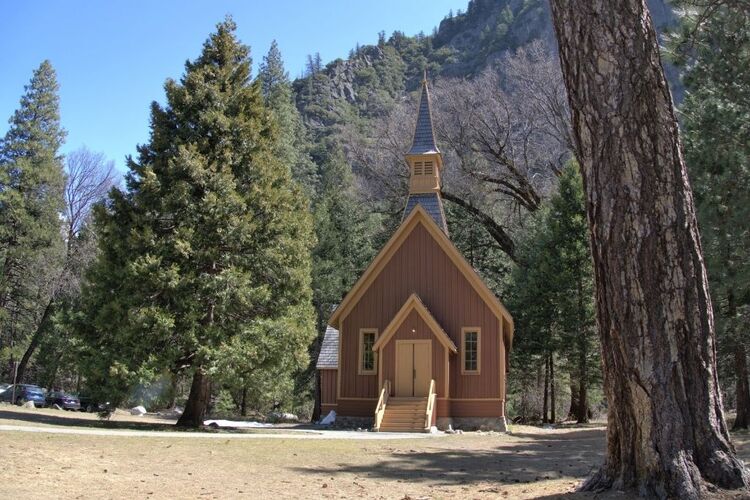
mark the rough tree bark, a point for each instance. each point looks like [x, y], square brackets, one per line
[666, 434]
[742, 388]
[553, 399]
[545, 405]
[197, 402]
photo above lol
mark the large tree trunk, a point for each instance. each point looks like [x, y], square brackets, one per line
[666, 433]
[573, 410]
[197, 403]
[545, 406]
[743, 389]
[36, 339]
[553, 399]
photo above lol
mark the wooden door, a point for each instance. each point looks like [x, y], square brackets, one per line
[422, 369]
[413, 368]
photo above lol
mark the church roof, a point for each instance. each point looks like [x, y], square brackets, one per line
[424, 134]
[432, 204]
[329, 350]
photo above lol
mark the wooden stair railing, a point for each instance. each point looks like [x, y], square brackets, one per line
[382, 402]
[431, 402]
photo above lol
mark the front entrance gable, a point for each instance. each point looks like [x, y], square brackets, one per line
[413, 350]
[413, 303]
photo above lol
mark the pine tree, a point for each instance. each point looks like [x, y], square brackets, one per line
[552, 294]
[207, 253]
[666, 434]
[714, 49]
[31, 203]
[293, 144]
[344, 230]
[574, 288]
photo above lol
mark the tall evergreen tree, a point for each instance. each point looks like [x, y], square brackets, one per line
[208, 250]
[344, 230]
[552, 294]
[31, 203]
[293, 144]
[713, 46]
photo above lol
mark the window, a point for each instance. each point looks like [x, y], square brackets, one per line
[470, 350]
[417, 168]
[368, 361]
[428, 168]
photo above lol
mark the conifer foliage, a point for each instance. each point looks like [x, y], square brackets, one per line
[31, 204]
[553, 300]
[207, 252]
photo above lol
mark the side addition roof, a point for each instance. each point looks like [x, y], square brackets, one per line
[329, 350]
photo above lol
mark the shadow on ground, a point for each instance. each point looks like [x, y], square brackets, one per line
[571, 455]
[66, 420]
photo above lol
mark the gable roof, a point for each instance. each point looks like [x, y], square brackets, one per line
[329, 350]
[414, 303]
[424, 134]
[433, 205]
[419, 216]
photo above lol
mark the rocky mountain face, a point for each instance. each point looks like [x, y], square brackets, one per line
[372, 77]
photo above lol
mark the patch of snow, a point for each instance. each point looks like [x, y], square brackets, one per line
[138, 410]
[329, 419]
[235, 424]
[29, 404]
[283, 417]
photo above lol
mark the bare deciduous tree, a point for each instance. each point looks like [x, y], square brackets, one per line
[504, 135]
[89, 178]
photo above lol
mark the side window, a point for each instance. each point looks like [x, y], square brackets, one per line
[368, 362]
[471, 345]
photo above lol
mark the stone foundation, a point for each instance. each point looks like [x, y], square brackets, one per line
[353, 422]
[473, 423]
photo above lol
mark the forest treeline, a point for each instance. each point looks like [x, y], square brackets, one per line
[211, 269]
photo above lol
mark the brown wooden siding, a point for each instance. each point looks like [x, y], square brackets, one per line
[420, 332]
[356, 407]
[420, 266]
[328, 386]
[325, 409]
[451, 408]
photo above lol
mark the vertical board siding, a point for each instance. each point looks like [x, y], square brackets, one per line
[328, 387]
[420, 266]
[421, 332]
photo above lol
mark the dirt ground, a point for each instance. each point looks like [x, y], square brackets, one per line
[530, 463]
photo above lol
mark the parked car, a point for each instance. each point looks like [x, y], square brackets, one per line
[63, 400]
[23, 393]
[3, 386]
[90, 404]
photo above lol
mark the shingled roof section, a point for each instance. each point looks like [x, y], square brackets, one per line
[424, 134]
[432, 204]
[329, 350]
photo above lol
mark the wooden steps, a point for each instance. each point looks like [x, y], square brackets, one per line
[404, 415]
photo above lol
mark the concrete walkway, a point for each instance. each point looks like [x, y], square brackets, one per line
[286, 434]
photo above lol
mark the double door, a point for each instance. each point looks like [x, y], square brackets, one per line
[413, 368]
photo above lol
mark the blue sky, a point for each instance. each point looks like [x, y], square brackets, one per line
[112, 57]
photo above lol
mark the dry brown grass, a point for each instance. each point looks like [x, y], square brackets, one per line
[531, 463]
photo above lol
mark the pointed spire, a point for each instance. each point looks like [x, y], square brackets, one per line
[424, 134]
